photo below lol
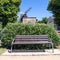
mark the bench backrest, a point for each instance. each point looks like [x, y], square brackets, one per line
[31, 37]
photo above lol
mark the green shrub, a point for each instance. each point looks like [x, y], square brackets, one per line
[0, 26]
[13, 29]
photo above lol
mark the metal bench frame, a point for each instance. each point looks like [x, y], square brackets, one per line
[32, 39]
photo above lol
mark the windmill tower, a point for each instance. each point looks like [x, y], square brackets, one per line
[25, 19]
[25, 14]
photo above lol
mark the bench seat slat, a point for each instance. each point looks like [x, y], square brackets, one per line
[31, 39]
[33, 42]
[31, 36]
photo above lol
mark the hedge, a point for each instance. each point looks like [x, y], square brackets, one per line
[13, 29]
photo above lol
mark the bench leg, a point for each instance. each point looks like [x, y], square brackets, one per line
[11, 47]
[43, 48]
[52, 48]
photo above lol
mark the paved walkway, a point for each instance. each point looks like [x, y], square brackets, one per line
[47, 52]
[48, 57]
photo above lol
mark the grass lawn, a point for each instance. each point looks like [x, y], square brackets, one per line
[2, 50]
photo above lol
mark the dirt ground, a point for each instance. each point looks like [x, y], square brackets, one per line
[48, 57]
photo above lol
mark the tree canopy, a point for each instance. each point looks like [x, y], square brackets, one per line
[9, 10]
[54, 7]
[44, 20]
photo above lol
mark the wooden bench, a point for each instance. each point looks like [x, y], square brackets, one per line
[31, 39]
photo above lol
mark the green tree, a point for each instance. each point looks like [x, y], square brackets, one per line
[9, 10]
[44, 20]
[54, 7]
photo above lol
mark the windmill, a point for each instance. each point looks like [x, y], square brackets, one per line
[25, 14]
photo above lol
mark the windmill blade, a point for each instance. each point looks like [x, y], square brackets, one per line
[25, 14]
[27, 10]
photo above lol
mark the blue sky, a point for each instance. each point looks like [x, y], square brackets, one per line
[39, 8]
